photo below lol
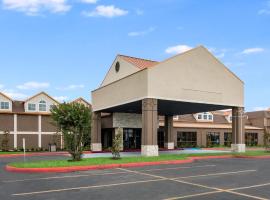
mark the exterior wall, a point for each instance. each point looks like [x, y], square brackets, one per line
[36, 101]
[107, 122]
[131, 88]
[125, 70]
[5, 99]
[129, 120]
[6, 122]
[31, 141]
[47, 124]
[195, 76]
[50, 139]
[27, 123]
[10, 140]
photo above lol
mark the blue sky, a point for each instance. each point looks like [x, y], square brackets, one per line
[65, 47]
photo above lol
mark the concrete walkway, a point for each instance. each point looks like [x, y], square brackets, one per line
[131, 154]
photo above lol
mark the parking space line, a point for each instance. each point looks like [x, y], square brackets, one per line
[252, 186]
[61, 177]
[194, 195]
[99, 174]
[203, 186]
[85, 187]
[175, 168]
[216, 174]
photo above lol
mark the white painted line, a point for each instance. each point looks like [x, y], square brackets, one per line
[99, 174]
[246, 195]
[175, 168]
[61, 177]
[216, 174]
[85, 187]
[193, 195]
[252, 186]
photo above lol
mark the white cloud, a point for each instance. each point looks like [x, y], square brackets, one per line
[219, 53]
[252, 50]
[89, 1]
[33, 85]
[266, 10]
[177, 49]
[71, 87]
[260, 108]
[14, 95]
[141, 33]
[35, 7]
[105, 11]
[61, 98]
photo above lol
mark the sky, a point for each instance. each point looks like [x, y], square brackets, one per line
[65, 47]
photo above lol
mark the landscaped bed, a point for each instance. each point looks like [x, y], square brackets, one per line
[107, 161]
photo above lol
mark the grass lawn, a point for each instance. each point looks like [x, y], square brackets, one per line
[102, 161]
[10, 152]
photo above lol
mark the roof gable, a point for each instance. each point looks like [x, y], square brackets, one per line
[40, 94]
[5, 96]
[139, 62]
[195, 76]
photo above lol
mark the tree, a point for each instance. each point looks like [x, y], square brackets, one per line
[5, 141]
[74, 121]
[117, 144]
[267, 139]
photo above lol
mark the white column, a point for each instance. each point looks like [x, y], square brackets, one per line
[39, 131]
[61, 141]
[15, 131]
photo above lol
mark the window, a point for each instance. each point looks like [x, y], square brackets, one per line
[4, 105]
[227, 138]
[175, 117]
[42, 105]
[32, 107]
[206, 116]
[186, 139]
[251, 139]
[212, 139]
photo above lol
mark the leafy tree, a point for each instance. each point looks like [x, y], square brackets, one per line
[5, 141]
[117, 144]
[267, 139]
[74, 121]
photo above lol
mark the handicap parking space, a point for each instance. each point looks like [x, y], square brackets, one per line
[203, 179]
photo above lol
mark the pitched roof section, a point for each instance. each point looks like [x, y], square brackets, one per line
[139, 62]
[44, 93]
[2, 94]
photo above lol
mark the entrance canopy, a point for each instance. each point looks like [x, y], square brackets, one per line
[194, 81]
[166, 107]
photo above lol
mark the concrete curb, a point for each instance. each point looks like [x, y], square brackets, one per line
[124, 165]
[35, 154]
[109, 166]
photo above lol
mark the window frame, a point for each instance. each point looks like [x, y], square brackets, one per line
[42, 103]
[4, 105]
[31, 104]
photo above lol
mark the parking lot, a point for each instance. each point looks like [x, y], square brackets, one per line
[205, 179]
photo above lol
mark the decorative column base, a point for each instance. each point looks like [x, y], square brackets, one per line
[169, 145]
[238, 148]
[149, 150]
[96, 147]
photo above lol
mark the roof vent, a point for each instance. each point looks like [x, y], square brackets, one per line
[117, 67]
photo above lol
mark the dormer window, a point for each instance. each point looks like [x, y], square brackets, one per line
[42, 106]
[32, 107]
[206, 116]
[229, 118]
[4, 105]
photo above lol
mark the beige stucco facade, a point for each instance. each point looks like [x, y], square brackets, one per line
[191, 82]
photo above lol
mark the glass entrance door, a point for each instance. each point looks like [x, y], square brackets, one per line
[132, 138]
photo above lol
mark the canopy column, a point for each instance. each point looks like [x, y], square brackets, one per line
[168, 130]
[149, 127]
[96, 132]
[238, 130]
